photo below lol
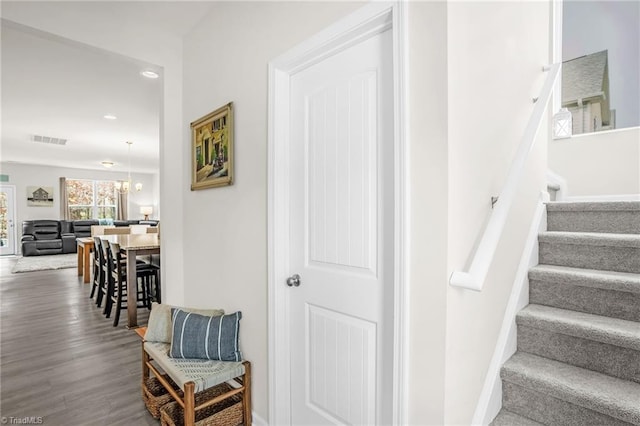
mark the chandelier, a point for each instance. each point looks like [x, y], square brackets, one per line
[124, 186]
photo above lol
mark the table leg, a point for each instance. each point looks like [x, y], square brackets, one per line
[132, 289]
[80, 259]
[86, 265]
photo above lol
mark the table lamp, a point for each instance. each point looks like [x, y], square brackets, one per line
[146, 211]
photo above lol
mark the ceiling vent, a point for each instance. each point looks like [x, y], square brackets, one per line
[48, 139]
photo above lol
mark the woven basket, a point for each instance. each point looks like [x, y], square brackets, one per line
[227, 412]
[155, 395]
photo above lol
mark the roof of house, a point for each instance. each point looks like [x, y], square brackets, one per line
[585, 77]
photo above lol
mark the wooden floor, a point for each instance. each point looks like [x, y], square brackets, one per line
[61, 359]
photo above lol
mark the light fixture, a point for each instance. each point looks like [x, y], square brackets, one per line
[125, 185]
[562, 124]
[149, 74]
[110, 117]
[146, 211]
[107, 164]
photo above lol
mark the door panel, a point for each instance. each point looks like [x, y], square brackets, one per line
[341, 243]
[341, 173]
[341, 382]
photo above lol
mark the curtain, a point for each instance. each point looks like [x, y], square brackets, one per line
[64, 200]
[122, 212]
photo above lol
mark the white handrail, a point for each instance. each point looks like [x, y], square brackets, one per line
[474, 279]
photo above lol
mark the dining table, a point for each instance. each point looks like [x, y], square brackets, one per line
[134, 245]
[85, 247]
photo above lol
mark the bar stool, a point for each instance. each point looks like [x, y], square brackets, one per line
[146, 275]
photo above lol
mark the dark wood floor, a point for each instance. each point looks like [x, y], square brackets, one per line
[61, 359]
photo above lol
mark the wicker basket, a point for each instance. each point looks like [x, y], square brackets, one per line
[227, 412]
[155, 395]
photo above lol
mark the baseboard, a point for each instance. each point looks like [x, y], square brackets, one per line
[257, 420]
[490, 401]
[614, 197]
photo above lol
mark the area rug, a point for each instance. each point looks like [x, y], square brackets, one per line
[44, 263]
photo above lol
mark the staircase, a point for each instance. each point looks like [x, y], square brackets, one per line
[578, 357]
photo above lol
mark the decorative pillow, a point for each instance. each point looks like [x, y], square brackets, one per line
[205, 337]
[159, 327]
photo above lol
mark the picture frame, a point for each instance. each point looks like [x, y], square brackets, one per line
[212, 149]
[40, 196]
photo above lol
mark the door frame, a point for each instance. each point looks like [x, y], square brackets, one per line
[372, 19]
[14, 232]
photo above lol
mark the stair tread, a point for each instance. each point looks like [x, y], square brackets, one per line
[593, 206]
[508, 418]
[598, 328]
[590, 238]
[608, 280]
[605, 394]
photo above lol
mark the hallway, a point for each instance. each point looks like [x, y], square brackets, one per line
[61, 359]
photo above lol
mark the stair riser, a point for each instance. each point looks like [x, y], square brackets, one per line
[614, 222]
[601, 357]
[548, 410]
[605, 258]
[598, 301]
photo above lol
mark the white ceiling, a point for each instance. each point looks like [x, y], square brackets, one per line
[60, 88]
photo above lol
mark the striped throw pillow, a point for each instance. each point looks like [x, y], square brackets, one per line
[205, 337]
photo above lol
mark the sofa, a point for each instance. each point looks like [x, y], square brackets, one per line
[40, 237]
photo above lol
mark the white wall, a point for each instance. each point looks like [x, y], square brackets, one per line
[495, 58]
[99, 24]
[225, 59]
[597, 164]
[24, 175]
[428, 210]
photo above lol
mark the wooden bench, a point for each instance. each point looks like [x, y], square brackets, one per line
[194, 376]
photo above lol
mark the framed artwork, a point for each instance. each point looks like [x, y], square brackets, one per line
[40, 196]
[212, 149]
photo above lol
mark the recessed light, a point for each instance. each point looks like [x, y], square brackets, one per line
[108, 164]
[149, 74]
[110, 117]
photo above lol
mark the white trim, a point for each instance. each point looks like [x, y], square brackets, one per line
[474, 278]
[371, 19]
[402, 228]
[14, 231]
[612, 197]
[556, 51]
[601, 132]
[490, 400]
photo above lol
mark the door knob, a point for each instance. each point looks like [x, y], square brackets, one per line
[293, 280]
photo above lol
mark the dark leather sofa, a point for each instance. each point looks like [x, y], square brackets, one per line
[41, 237]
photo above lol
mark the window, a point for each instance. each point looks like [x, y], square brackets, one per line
[91, 199]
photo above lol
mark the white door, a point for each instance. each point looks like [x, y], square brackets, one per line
[341, 313]
[7, 220]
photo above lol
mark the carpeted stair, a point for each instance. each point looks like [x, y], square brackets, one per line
[578, 357]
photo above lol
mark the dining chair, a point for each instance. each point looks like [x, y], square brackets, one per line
[103, 290]
[146, 275]
[99, 229]
[118, 230]
[138, 229]
[98, 274]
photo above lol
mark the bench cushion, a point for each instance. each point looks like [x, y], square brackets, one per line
[159, 329]
[204, 373]
[205, 337]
